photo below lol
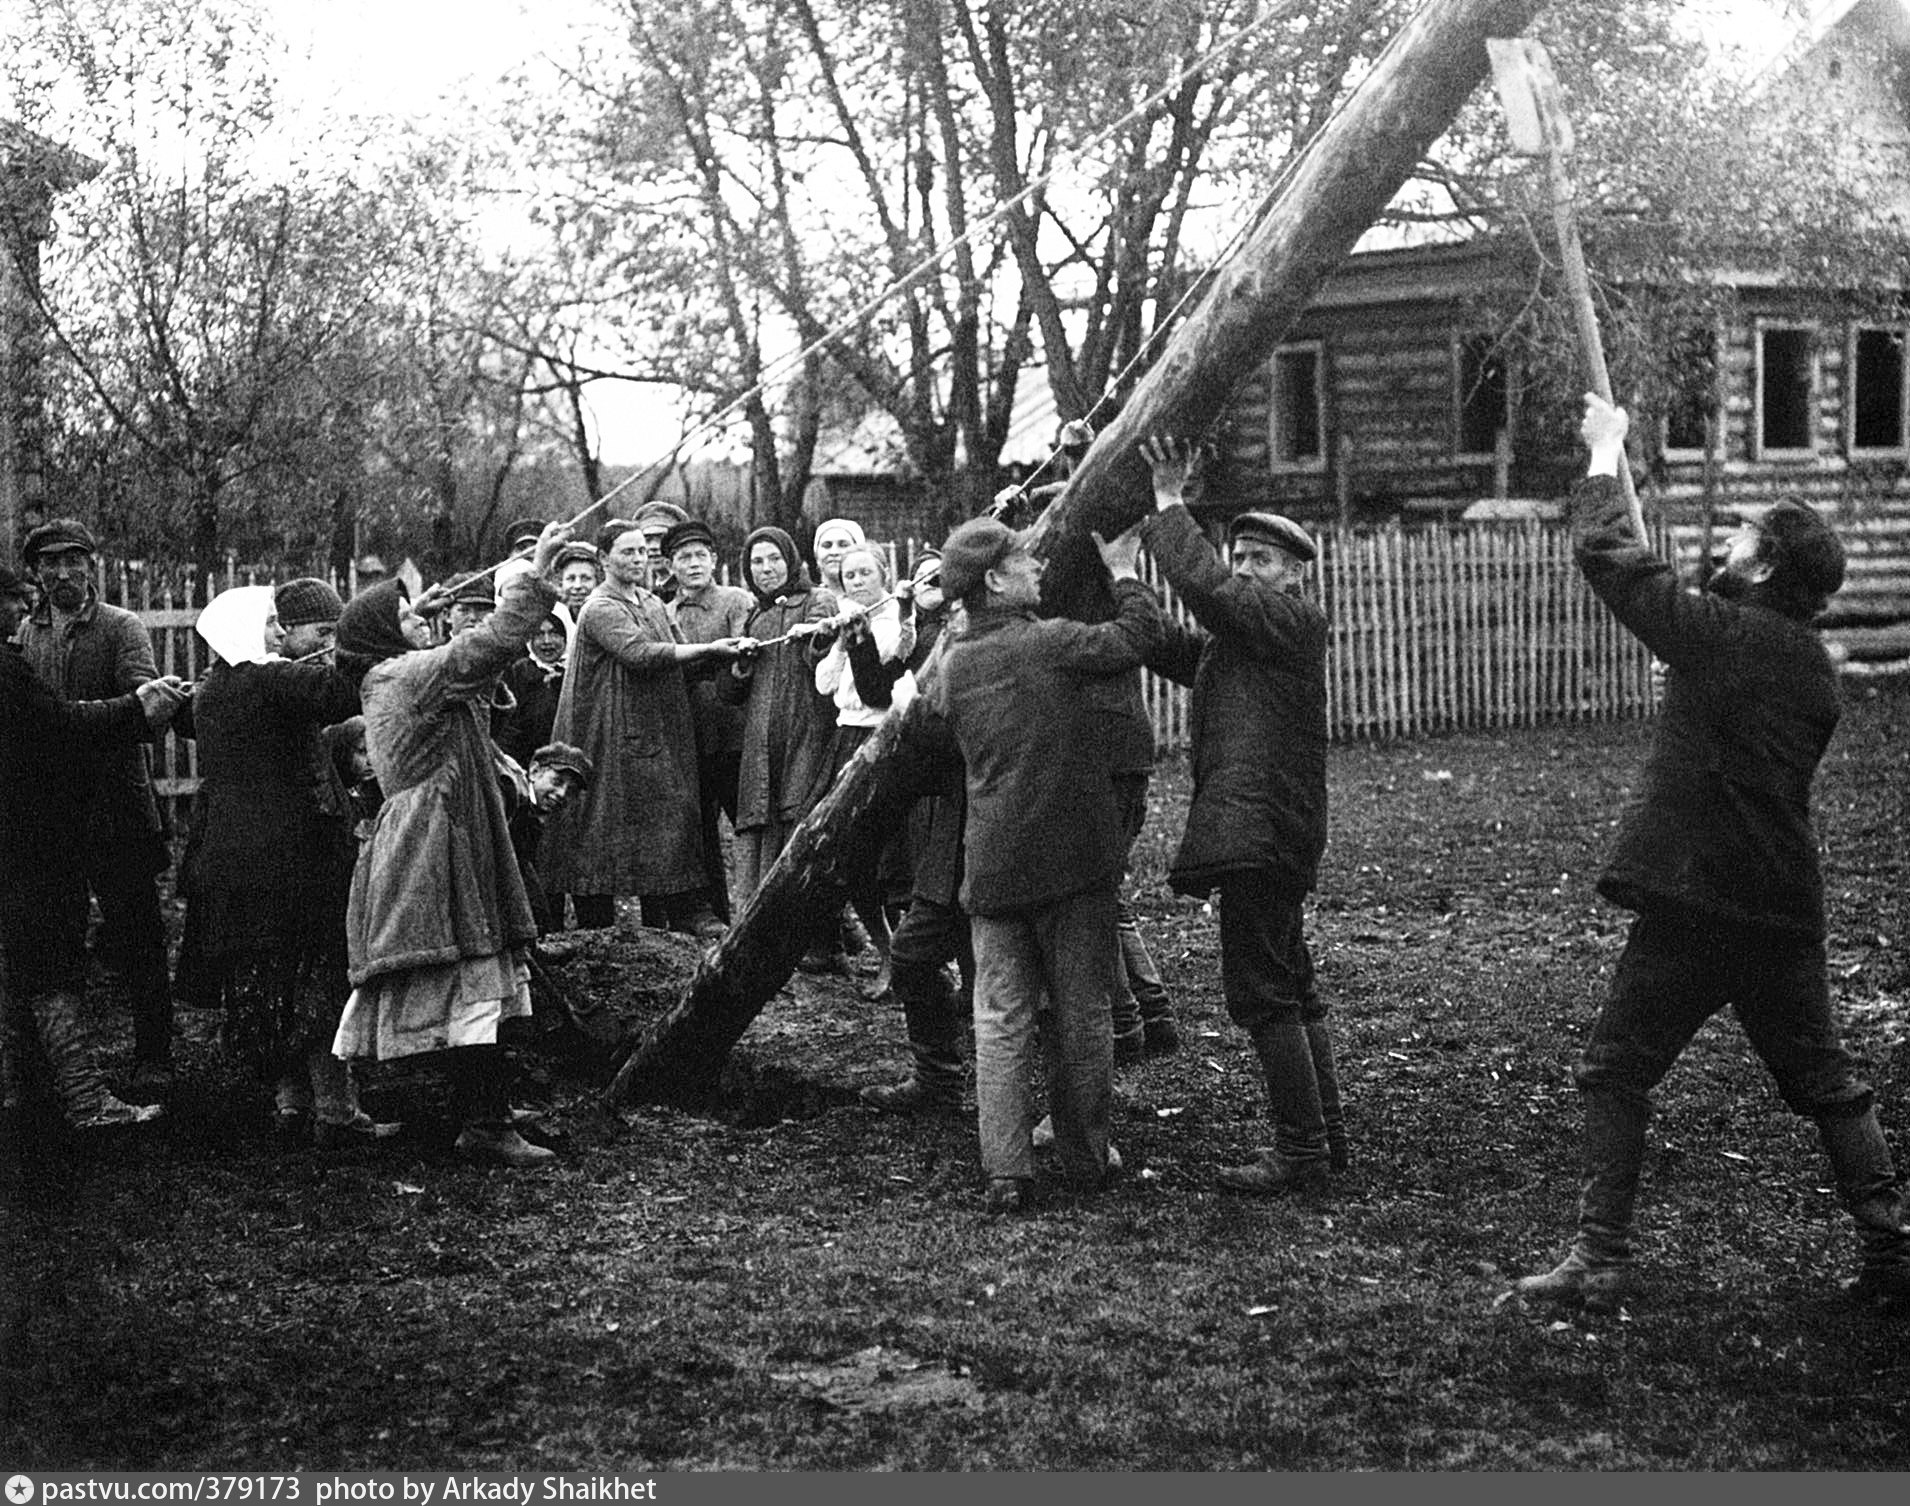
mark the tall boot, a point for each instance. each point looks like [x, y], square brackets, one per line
[1298, 1160]
[83, 1091]
[934, 1025]
[1320, 1042]
[1596, 1271]
[481, 1091]
[1867, 1183]
[338, 1123]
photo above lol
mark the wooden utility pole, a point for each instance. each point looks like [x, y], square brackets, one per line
[1342, 182]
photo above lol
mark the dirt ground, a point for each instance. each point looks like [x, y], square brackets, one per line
[795, 1281]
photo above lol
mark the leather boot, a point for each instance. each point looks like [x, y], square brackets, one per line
[482, 1093]
[1298, 1160]
[1867, 1183]
[1319, 1040]
[1596, 1271]
[83, 1091]
[928, 1007]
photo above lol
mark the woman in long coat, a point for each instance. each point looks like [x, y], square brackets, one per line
[638, 827]
[261, 875]
[788, 725]
[439, 920]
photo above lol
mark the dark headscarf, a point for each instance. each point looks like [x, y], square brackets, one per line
[795, 582]
[368, 630]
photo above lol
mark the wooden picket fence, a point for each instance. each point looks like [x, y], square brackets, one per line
[1458, 627]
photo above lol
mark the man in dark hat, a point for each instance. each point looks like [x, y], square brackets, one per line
[1717, 860]
[1257, 825]
[471, 602]
[89, 651]
[656, 519]
[308, 611]
[520, 539]
[1043, 845]
[705, 612]
[47, 756]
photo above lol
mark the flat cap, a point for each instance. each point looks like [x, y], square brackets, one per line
[477, 590]
[524, 531]
[691, 532]
[56, 534]
[1271, 528]
[1809, 552]
[654, 515]
[578, 551]
[971, 551]
[563, 756]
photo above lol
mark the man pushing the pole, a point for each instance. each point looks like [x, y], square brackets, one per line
[1717, 860]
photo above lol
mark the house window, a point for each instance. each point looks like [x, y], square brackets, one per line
[1877, 389]
[1482, 395]
[1298, 418]
[1786, 389]
[1691, 389]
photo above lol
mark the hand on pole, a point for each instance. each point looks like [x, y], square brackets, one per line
[1603, 429]
[1176, 467]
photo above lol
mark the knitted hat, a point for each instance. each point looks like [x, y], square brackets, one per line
[305, 600]
[971, 551]
[927, 566]
[1271, 528]
[56, 534]
[1809, 557]
[523, 531]
[564, 756]
[690, 532]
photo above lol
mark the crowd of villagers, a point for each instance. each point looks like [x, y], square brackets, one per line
[398, 797]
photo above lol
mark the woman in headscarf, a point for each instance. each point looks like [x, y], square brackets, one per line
[834, 538]
[788, 725]
[532, 685]
[261, 878]
[870, 617]
[439, 920]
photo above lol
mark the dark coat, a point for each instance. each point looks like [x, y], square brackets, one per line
[789, 726]
[47, 764]
[104, 652]
[721, 612]
[1721, 821]
[524, 723]
[269, 844]
[436, 880]
[1042, 824]
[638, 828]
[1258, 667]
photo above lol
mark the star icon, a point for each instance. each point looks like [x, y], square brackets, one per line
[19, 1490]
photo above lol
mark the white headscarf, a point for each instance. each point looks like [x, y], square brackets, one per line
[233, 623]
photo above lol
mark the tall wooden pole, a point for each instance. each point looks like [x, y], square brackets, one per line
[1343, 181]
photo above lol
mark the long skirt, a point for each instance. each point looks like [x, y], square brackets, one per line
[434, 1008]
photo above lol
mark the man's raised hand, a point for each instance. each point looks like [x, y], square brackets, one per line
[1176, 465]
[1121, 555]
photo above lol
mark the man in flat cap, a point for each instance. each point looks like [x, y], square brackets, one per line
[472, 600]
[706, 611]
[1257, 825]
[87, 650]
[1044, 846]
[1717, 860]
[520, 538]
[656, 519]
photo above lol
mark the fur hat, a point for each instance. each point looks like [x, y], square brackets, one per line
[56, 534]
[971, 551]
[1271, 528]
[305, 600]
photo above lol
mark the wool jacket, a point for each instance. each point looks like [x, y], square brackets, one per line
[1042, 824]
[1720, 823]
[1257, 663]
[719, 612]
[637, 828]
[266, 850]
[788, 725]
[46, 769]
[104, 651]
[436, 880]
